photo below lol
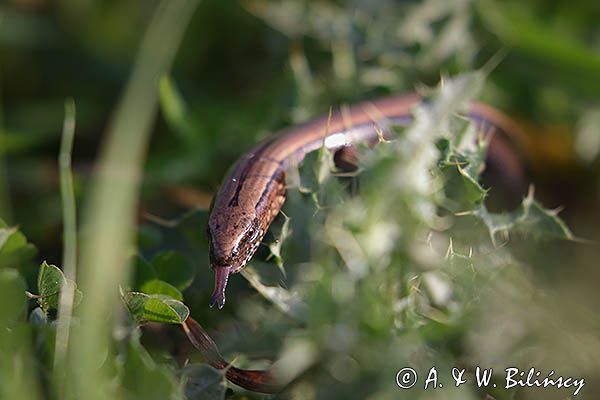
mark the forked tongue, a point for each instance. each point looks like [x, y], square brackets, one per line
[221, 277]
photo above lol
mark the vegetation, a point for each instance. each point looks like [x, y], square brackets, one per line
[416, 261]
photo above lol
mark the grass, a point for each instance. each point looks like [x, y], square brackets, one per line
[69, 262]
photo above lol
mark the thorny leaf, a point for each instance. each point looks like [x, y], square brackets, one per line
[287, 301]
[280, 237]
[530, 219]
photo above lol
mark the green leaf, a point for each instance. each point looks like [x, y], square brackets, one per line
[530, 219]
[143, 378]
[314, 170]
[5, 234]
[12, 294]
[155, 308]
[461, 175]
[14, 248]
[283, 234]
[287, 301]
[173, 268]
[50, 281]
[156, 286]
[203, 382]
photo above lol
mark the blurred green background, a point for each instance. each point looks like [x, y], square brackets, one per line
[247, 68]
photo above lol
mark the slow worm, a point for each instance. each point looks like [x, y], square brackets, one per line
[254, 190]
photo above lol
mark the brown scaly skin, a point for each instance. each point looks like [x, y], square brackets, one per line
[247, 227]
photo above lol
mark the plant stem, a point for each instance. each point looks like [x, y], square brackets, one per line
[69, 262]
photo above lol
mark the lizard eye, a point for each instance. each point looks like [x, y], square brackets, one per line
[252, 234]
[253, 231]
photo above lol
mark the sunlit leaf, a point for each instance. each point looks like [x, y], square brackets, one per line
[156, 286]
[50, 281]
[155, 308]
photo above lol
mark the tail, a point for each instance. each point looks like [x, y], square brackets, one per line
[261, 381]
[221, 278]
